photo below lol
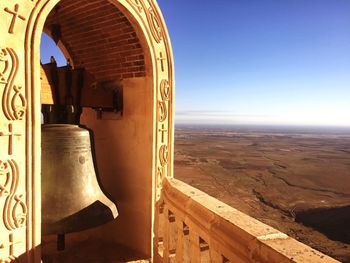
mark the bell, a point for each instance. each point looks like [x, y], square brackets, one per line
[71, 196]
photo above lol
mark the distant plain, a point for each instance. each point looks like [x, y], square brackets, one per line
[292, 178]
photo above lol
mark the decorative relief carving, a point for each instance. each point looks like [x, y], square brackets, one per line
[165, 90]
[4, 62]
[154, 24]
[157, 32]
[10, 135]
[162, 104]
[162, 111]
[19, 212]
[15, 210]
[15, 14]
[4, 179]
[152, 19]
[161, 60]
[137, 4]
[163, 155]
[13, 101]
[161, 170]
[163, 131]
[160, 176]
[18, 103]
[10, 246]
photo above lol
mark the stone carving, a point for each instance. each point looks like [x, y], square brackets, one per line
[152, 19]
[162, 111]
[157, 32]
[163, 155]
[18, 103]
[13, 101]
[161, 60]
[154, 25]
[15, 210]
[10, 246]
[4, 179]
[165, 96]
[160, 175]
[15, 15]
[4, 62]
[165, 90]
[163, 131]
[10, 135]
[19, 211]
[137, 4]
[161, 170]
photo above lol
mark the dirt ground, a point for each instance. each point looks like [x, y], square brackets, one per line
[297, 182]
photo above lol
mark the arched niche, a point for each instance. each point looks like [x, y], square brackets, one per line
[142, 138]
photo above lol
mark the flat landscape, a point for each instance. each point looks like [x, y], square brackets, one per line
[296, 180]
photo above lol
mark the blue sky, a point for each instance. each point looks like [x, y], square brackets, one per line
[260, 61]
[48, 48]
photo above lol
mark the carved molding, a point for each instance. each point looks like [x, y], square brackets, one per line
[155, 25]
[137, 4]
[164, 75]
[13, 101]
[153, 20]
[163, 110]
[163, 155]
[15, 209]
[165, 90]
[13, 204]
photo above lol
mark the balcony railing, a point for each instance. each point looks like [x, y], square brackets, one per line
[191, 226]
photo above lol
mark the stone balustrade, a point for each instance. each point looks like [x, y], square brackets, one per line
[191, 226]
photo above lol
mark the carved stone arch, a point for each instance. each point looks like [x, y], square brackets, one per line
[22, 37]
[62, 46]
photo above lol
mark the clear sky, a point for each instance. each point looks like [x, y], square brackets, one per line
[48, 48]
[260, 61]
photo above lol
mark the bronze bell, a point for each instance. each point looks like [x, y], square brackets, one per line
[71, 196]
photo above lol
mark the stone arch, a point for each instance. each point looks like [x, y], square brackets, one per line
[63, 48]
[24, 40]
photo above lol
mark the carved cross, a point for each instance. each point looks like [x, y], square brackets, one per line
[10, 245]
[161, 59]
[163, 131]
[10, 134]
[15, 15]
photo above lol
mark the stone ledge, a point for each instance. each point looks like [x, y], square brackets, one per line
[233, 232]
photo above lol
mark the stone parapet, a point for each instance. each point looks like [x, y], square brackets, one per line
[192, 226]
